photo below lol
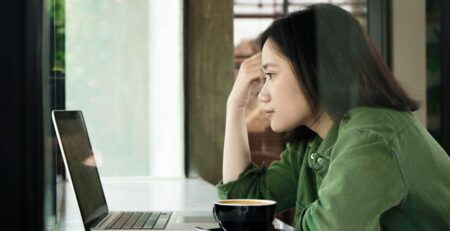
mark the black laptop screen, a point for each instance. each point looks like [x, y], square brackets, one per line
[81, 164]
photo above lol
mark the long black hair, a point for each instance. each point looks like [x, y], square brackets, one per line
[335, 61]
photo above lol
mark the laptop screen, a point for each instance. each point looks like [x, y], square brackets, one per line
[77, 152]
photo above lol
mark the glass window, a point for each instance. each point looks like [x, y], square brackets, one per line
[124, 71]
[251, 17]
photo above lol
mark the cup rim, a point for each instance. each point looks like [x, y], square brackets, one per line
[262, 201]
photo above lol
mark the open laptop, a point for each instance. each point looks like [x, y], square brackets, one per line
[78, 157]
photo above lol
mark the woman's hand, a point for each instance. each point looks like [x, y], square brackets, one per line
[248, 82]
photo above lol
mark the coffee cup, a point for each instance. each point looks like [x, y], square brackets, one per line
[245, 214]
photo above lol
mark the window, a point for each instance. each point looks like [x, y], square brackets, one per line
[124, 71]
[251, 17]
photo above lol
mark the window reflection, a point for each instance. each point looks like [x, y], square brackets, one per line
[251, 17]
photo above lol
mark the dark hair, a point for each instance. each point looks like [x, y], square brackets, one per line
[335, 61]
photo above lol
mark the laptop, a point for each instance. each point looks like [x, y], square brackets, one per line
[76, 148]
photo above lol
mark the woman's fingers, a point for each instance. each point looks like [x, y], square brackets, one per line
[249, 74]
[256, 86]
[251, 67]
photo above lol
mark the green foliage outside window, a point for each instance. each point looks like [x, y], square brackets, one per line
[57, 19]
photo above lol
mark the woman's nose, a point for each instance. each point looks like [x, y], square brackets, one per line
[263, 95]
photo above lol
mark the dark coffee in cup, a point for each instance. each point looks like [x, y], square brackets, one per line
[245, 214]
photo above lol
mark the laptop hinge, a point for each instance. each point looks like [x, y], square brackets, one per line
[96, 221]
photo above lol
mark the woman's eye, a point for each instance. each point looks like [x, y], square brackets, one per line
[268, 76]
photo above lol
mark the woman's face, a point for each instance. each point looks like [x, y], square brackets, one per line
[284, 103]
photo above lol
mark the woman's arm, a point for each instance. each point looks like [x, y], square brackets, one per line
[236, 152]
[277, 182]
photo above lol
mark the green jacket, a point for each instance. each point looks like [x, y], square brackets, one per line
[378, 169]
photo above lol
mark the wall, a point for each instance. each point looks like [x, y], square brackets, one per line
[409, 49]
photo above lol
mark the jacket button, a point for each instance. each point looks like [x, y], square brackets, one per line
[314, 156]
[319, 160]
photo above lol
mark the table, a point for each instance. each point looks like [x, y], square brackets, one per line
[143, 194]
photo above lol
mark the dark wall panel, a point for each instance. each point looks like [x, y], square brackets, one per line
[22, 129]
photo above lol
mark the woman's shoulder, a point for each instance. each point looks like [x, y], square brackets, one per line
[382, 121]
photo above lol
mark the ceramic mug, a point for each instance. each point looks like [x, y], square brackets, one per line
[245, 214]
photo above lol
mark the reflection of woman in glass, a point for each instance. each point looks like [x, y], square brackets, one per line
[356, 159]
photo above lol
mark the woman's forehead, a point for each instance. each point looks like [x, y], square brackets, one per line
[270, 55]
[268, 46]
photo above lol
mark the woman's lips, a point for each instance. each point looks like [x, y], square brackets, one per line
[268, 113]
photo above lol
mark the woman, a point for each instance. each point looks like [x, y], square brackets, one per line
[357, 159]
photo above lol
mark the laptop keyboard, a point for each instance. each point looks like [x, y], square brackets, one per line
[140, 220]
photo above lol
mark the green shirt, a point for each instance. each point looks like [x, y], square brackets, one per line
[377, 169]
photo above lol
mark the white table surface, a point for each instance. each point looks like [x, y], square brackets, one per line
[144, 194]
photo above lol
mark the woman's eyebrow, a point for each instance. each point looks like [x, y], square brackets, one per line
[266, 65]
